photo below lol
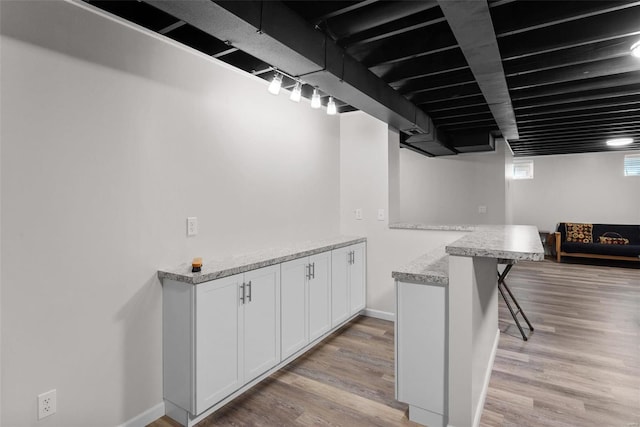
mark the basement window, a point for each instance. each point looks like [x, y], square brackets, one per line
[632, 165]
[523, 169]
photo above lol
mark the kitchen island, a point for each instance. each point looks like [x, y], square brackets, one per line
[447, 322]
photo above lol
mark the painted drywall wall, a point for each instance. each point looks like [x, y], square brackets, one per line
[369, 164]
[110, 139]
[508, 191]
[450, 190]
[579, 188]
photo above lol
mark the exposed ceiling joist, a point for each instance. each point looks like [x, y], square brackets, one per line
[471, 24]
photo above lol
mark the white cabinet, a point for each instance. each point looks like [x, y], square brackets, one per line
[305, 301]
[219, 335]
[293, 297]
[219, 325]
[420, 351]
[320, 295]
[261, 321]
[348, 268]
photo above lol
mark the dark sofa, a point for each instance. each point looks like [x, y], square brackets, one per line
[619, 242]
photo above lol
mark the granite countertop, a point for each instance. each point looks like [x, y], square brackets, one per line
[228, 266]
[433, 267]
[507, 243]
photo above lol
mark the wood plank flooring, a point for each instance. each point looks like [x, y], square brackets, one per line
[580, 367]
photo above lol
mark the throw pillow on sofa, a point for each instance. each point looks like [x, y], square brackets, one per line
[611, 238]
[581, 233]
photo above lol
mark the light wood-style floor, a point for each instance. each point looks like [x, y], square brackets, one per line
[580, 367]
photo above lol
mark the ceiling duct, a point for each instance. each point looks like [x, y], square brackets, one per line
[272, 32]
[473, 142]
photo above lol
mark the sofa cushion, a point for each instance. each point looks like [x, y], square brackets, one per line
[600, 249]
[582, 233]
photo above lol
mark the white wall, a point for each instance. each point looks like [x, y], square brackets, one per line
[110, 139]
[368, 165]
[449, 190]
[579, 188]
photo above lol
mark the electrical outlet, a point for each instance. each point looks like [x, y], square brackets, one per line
[192, 226]
[482, 209]
[47, 404]
[358, 213]
[380, 214]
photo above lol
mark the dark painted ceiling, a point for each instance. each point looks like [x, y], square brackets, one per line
[572, 83]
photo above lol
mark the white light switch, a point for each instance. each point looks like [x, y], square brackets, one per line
[380, 214]
[358, 213]
[482, 209]
[192, 226]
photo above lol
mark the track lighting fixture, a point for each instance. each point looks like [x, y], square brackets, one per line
[315, 99]
[331, 107]
[296, 93]
[276, 84]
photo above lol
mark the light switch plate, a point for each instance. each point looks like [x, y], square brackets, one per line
[380, 214]
[192, 226]
[358, 212]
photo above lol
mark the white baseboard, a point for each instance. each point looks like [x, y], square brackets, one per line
[378, 314]
[147, 417]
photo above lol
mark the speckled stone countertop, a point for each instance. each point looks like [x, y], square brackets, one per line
[437, 227]
[433, 267]
[228, 266]
[507, 243]
[510, 242]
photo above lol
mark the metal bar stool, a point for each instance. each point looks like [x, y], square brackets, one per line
[502, 286]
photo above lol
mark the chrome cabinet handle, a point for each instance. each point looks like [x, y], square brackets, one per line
[249, 292]
[242, 298]
[313, 266]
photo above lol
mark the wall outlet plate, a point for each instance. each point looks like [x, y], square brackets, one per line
[192, 226]
[358, 213]
[47, 404]
[380, 214]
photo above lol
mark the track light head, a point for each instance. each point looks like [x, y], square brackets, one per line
[296, 93]
[276, 84]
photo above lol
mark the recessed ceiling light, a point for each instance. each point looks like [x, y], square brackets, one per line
[635, 49]
[619, 141]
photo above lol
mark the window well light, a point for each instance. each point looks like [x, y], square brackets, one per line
[617, 142]
[635, 49]
[331, 107]
[315, 99]
[276, 83]
[296, 93]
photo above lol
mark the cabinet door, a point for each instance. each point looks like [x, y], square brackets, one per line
[261, 321]
[340, 267]
[357, 276]
[218, 326]
[293, 305]
[320, 295]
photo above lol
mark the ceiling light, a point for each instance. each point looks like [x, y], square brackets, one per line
[296, 93]
[635, 49]
[315, 99]
[331, 107]
[617, 142]
[276, 83]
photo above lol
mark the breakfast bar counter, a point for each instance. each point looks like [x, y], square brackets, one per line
[447, 321]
